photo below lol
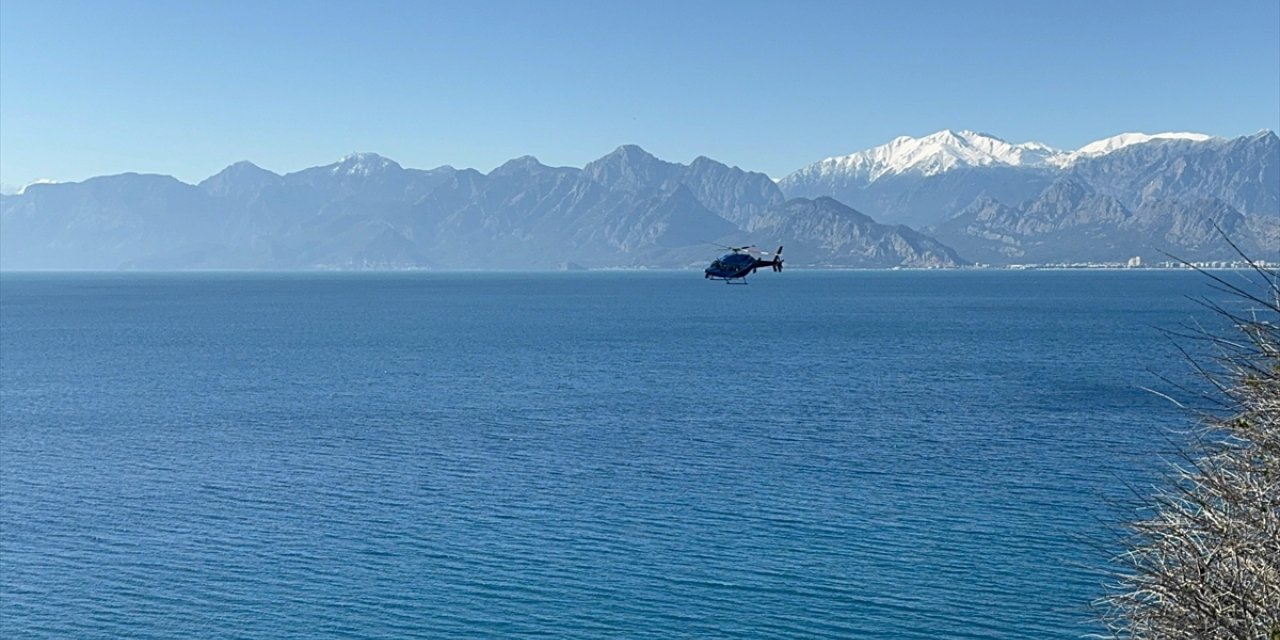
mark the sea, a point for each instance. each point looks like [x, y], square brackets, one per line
[819, 454]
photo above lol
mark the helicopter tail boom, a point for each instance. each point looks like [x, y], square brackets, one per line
[775, 263]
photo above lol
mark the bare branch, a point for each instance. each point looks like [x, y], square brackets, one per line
[1203, 558]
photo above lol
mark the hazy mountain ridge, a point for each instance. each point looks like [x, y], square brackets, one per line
[625, 209]
[1072, 222]
[829, 233]
[732, 193]
[1243, 172]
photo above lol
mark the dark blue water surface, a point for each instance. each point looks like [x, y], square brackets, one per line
[819, 454]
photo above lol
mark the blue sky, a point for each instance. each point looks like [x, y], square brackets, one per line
[185, 88]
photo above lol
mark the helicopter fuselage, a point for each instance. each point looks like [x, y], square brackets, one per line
[738, 265]
[731, 266]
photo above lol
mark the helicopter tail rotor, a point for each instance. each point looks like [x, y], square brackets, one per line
[777, 260]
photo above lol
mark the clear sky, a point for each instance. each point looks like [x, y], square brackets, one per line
[186, 88]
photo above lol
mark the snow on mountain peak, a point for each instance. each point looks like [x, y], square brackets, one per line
[1107, 145]
[23, 189]
[947, 150]
[937, 153]
[363, 164]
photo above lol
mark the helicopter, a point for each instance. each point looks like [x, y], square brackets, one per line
[741, 262]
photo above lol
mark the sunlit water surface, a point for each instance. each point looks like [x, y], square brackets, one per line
[818, 454]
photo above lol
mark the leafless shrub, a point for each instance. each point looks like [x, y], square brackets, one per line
[1202, 560]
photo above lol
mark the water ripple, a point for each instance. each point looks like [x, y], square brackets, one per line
[908, 455]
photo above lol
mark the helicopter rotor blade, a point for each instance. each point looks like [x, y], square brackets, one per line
[746, 248]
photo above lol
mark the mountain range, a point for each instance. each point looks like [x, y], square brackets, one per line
[924, 181]
[626, 209]
[1133, 194]
[969, 197]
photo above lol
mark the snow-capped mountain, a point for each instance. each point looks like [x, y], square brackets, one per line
[1114, 143]
[366, 176]
[933, 154]
[16, 190]
[923, 181]
[951, 150]
[1154, 198]
[363, 164]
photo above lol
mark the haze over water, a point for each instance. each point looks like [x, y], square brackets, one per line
[818, 454]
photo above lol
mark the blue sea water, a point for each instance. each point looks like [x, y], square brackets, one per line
[598, 455]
